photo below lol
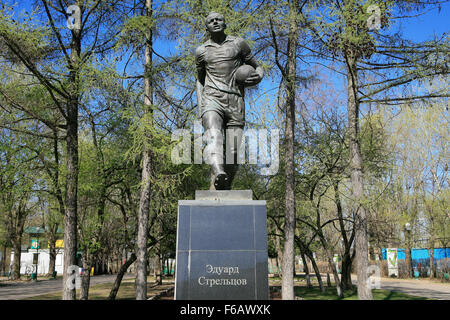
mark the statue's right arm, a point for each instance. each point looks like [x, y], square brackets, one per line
[201, 74]
[199, 91]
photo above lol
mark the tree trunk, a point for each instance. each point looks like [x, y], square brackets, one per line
[144, 208]
[118, 281]
[85, 278]
[59, 197]
[304, 249]
[279, 255]
[16, 239]
[316, 271]
[346, 279]
[346, 272]
[287, 290]
[158, 268]
[332, 266]
[172, 267]
[306, 270]
[432, 258]
[70, 218]
[15, 272]
[52, 256]
[357, 179]
[144, 203]
[408, 255]
[3, 266]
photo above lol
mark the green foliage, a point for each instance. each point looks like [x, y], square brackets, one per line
[330, 294]
[343, 25]
[404, 154]
[374, 147]
[22, 33]
[135, 31]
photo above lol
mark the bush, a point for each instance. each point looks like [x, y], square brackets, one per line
[384, 267]
[443, 269]
[403, 269]
[323, 267]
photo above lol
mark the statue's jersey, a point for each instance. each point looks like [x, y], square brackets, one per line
[221, 61]
[221, 93]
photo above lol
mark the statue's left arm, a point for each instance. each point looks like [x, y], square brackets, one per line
[248, 58]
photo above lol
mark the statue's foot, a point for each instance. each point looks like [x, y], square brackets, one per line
[221, 181]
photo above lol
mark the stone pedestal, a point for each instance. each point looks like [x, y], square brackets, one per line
[221, 247]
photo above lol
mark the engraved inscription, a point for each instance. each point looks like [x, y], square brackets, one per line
[220, 270]
[204, 281]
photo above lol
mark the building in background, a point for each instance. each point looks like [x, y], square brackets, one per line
[35, 251]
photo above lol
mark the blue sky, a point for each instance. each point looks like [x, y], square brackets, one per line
[421, 28]
[417, 28]
[426, 26]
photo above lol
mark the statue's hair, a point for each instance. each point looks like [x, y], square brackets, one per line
[213, 13]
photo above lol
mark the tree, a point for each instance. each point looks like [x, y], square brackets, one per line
[103, 144]
[343, 30]
[289, 11]
[58, 70]
[323, 171]
[16, 181]
[421, 168]
[287, 292]
[52, 222]
[144, 203]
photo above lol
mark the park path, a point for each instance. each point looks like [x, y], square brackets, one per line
[421, 288]
[25, 290]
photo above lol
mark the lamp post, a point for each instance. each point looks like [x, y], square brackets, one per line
[408, 249]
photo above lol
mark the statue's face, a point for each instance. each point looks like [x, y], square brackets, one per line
[215, 23]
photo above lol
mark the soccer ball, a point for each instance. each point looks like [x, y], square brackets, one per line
[243, 72]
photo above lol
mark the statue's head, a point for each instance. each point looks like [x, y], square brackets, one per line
[215, 22]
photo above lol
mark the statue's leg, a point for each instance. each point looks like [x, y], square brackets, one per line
[213, 125]
[235, 154]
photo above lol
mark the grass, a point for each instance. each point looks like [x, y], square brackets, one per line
[330, 294]
[127, 291]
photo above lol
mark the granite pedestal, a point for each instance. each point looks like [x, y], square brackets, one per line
[221, 247]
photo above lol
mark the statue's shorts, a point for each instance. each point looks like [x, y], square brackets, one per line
[229, 106]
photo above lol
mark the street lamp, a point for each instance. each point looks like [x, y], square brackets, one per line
[408, 249]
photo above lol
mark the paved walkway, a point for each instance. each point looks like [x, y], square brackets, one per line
[25, 290]
[421, 288]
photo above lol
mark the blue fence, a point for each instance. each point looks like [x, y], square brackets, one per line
[421, 254]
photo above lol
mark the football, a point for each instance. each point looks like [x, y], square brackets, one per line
[243, 72]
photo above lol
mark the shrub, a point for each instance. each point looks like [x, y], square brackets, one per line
[443, 269]
[402, 269]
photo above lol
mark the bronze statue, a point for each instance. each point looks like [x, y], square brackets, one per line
[220, 95]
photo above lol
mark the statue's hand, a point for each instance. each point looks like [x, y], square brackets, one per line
[253, 79]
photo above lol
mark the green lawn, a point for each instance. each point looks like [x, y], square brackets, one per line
[330, 294]
[127, 291]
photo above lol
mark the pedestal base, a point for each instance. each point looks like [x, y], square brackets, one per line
[221, 247]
